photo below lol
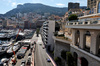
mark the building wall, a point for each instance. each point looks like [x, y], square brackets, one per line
[90, 58]
[51, 30]
[59, 46]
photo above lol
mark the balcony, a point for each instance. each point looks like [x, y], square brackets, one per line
[45, 26]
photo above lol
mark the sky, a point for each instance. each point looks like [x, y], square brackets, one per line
[6, 5]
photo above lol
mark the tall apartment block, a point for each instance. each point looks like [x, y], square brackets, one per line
[91, 4]
[48, 30]
[73, 5]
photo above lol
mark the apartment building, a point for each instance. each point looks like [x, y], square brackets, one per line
[73, 6]
[48, 30]
[91, 4]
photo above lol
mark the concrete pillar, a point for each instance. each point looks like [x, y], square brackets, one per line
[82, 39]
[55, 49]
[74, 36]
[94, 43]
[97, 6]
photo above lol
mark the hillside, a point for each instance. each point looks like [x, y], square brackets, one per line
[37, 8]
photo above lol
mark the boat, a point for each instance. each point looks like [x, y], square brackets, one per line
[4, 60]
[15, 48]
[4, 48]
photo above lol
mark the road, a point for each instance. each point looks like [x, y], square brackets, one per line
[40, 55]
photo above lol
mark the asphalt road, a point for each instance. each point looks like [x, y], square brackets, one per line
[40, 56]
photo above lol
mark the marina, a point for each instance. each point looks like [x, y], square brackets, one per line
[11, 42]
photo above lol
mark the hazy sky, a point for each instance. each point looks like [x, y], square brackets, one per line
[6, 5]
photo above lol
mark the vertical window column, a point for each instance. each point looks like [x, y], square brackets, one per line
[99, 7]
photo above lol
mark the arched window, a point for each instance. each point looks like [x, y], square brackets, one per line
[84, 61]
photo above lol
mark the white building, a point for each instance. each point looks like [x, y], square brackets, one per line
[48, 30]
[85, 45]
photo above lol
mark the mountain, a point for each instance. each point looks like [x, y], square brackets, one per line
[37, 8]
[83, 7]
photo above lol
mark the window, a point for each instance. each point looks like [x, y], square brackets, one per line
[99, 8]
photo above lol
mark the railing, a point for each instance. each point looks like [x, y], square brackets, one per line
[87, 49]
[91, 22]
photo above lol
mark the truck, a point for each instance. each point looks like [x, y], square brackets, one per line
[21, 52]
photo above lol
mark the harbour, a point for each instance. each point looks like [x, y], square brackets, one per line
[11, 42]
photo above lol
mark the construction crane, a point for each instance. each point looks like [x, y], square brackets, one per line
[13, 45]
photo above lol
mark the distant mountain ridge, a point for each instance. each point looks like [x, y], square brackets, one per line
[37, 8]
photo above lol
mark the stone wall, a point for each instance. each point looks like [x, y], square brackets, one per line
[59, 46]
[92, 60]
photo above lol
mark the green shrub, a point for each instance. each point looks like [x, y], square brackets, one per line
[70, 59]
[73, 17]
[57, 59]
[37, 31]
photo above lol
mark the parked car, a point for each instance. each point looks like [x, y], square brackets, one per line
[23, 62]
[48, 60]
[19, 56]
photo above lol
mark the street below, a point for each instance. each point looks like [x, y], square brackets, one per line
[40, 54]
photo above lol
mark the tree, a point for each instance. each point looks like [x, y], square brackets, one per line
[57, 60]
[57, 26]
[70, 59]
[73, 17]
[37, 31]
[63, 55]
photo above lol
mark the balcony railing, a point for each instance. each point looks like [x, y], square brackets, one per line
[89, 22]
[87, 49]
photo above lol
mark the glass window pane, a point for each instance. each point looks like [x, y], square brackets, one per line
[99, 8]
